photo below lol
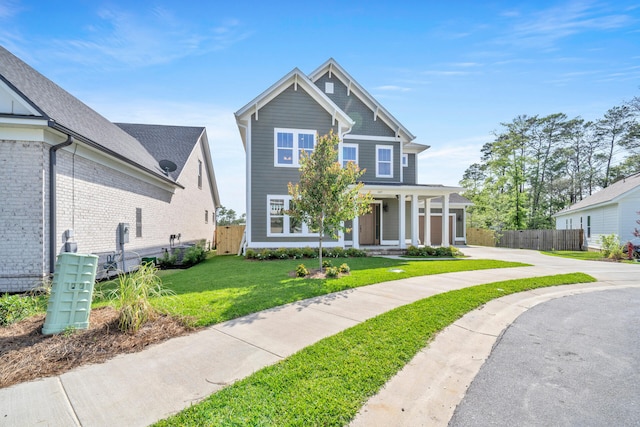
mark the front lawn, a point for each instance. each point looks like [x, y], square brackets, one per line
[327, 383]
[227, 287]
[583, 255]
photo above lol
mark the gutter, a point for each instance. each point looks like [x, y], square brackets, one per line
[60, 128]
[52, 201]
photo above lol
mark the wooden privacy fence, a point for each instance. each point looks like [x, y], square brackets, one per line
[228, 239]
[541, 240]
[481, 237]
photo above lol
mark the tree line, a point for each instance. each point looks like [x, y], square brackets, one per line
[537, 166]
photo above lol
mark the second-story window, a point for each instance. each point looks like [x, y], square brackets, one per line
[199, 174]
[384, 161]
[289, 145]
[349, 154]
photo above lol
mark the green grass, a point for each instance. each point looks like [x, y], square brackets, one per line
[327, 383]
[227, 287]
[584, 255]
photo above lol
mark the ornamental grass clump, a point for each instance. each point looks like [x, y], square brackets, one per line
[132, 297]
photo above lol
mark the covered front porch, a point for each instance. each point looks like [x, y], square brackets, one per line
[396, 220]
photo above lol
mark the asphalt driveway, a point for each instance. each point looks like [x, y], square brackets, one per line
[573, 361]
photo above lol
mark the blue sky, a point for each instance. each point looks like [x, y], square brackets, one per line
[451, 72]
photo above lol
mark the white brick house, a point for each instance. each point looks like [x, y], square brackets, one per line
[68, 175]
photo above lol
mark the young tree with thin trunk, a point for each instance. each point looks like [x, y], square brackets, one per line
[327, 194]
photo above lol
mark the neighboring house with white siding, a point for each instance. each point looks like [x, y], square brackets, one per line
[612, 210]
[70, 177]
[287, 118]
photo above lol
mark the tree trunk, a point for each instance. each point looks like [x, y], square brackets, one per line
[320, 240]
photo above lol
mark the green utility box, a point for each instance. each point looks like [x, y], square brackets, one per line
[71, 292]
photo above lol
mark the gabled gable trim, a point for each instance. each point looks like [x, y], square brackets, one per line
[203, 142]
[298, 79]
[25, 107]
[335, 69]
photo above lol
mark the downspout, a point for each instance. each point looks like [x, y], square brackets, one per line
[52, 201]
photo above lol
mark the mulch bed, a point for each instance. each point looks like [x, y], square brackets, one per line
[26, 354]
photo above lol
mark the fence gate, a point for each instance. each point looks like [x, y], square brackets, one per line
[228, 239]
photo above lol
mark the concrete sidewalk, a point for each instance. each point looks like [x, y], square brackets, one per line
[141, 388]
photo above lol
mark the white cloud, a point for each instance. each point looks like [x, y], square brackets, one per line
[122, 38]
[9, 8]
[393, 88]
[544, 28]
[445, 73]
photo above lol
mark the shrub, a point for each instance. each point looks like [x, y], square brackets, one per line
[17, 307]
[443, 251]
[294, 253]
[132, 294]
[326, 263]
[331, 271]
[167, 260]
[194, 255]
[356, 253]
[265, 254]
[299, 253]
[610, 245]
[415, 251]
[301, 271]
[338, 253]
[344, 268]
[309, 252]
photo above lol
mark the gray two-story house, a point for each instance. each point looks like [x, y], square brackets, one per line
[286, 119]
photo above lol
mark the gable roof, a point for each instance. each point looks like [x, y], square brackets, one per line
[174, 143]
[297, 78]
[611, 194]
[332, 67]
[69, 115]
[454, 198]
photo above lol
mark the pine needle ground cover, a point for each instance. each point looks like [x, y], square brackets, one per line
[327, 383]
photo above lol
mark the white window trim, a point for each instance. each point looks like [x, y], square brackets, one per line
[405, 160]
[386, 147]
[296, 150]
[285, 223]
[347, 145]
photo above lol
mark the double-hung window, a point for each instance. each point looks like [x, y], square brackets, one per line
[281, 224]
[290, 144]
[349, 154]
[384, 161]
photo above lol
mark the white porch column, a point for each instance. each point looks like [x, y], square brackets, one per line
[355, 232]
[427, 222]
[415, 214]
[401, 223]
[445, 220]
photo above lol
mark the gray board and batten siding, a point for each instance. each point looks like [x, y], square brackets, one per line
[365, 125]
[409, 173]
[292, 109]
[355, 108]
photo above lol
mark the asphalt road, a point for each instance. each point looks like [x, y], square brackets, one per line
[574, 361]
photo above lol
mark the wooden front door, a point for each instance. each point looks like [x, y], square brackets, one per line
[369, 226]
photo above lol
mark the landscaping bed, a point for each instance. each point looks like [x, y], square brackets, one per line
[26, 354]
